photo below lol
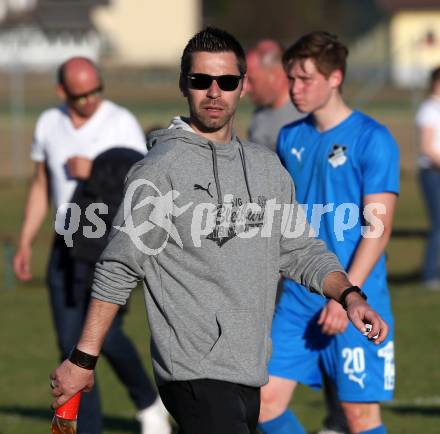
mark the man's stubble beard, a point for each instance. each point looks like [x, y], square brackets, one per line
[207, 124]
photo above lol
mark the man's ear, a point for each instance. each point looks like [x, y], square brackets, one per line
[336, 78]
[183, 86]
[61, 93]
[244, 86]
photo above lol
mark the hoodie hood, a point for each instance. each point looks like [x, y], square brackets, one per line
[179, 129]
[180, 123]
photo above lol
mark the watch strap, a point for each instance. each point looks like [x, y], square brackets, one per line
[82, 359]
[349, 290]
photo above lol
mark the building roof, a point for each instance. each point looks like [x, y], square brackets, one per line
[396, 5]
[54, 16]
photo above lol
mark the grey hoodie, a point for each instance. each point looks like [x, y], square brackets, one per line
[208, 260]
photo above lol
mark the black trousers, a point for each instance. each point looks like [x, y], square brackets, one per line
[212, 407]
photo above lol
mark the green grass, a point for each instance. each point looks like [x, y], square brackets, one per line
[29, 354]
[28, 347]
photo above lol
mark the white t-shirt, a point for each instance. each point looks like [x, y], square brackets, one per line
[428, 115]
[56, 140]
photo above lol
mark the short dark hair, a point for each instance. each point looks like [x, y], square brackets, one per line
[328, 53]
[434, 77]
[212, 40]
[61, 71]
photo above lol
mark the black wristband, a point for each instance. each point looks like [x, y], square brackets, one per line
[83, 360]
[348, 291]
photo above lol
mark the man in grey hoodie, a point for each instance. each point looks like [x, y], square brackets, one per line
[206, 224]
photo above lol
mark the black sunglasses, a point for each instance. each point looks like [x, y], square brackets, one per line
[204, 81]
[85, 95]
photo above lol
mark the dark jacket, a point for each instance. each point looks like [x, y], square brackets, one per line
[105, 185]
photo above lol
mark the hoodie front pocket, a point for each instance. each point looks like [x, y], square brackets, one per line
[241, 344]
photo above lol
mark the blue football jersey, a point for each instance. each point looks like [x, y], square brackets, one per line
[332, 172]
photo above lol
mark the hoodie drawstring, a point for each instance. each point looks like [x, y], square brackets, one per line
[243, 164]
[215, 169]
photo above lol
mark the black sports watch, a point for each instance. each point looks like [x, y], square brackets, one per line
[82, 359]
[348, 291]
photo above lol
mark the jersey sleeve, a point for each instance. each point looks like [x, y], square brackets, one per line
[131, 133]
[428, 116]
[38, 144]
[380, 163]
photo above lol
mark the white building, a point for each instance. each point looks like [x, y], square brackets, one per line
[40, 34]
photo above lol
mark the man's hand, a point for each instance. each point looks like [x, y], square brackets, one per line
[360, 313]
[333, 318]
[68, 379]
[79, 167]
[22, 263]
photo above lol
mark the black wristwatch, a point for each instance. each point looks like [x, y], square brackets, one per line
[82, 359]
[348, 291]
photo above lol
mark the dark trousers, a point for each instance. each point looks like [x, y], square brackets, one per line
[68, 283]
[430, 183]
[211, 406]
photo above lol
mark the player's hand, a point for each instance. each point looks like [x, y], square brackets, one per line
[333, 318]
[360, 313]
[68, 379]
[22, 263]
[79, 167]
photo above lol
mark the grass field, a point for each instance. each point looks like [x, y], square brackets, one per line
[28, 348]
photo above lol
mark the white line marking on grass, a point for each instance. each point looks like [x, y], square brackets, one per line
[418, 402]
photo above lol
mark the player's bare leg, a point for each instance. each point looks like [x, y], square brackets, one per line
[275, 416]
[275, 397]
[362, 416]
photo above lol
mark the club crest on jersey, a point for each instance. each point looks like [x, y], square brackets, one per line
[337, 156]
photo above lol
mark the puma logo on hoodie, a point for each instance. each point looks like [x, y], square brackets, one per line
[199, 187]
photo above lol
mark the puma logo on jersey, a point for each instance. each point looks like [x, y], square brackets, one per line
[337, 156]
[298, 154]
[199, 187]
[358, 380]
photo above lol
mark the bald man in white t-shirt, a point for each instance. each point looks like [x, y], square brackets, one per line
[67, 139]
